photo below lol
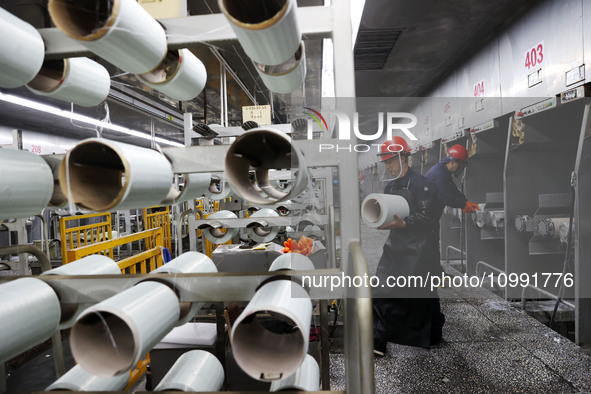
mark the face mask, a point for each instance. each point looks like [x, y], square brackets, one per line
[384, 174]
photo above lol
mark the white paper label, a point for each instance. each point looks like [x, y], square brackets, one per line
[257, 113]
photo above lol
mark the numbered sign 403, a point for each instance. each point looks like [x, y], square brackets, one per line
[534, 56]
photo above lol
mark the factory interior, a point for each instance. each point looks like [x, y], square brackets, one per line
[194, 196]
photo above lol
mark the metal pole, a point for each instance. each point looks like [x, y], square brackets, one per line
[324, 346]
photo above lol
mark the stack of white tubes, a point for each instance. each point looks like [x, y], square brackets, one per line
[103, 175]
[263, 150]
[125, 34]
[270, 337]
[110, 337]
[271, 38]
[259, 230]
[212, 230]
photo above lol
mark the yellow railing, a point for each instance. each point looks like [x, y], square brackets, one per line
[75, 237]
[140, 368]
[147, 260]
[143, 262]
[159, 219]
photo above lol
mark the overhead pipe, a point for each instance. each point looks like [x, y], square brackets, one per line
[120, 31]
[306, 378]
[258, 229]
[180, 75]
[77, 379]
[270, 337]
[29, 315]
[266, 29]
[212, 229]
[103, 175]
[187, 263]
[110, 337]
[196, 370]
[379, 209]
[77, 80]
[90, 265]
[21, 51]
[27, 184]
[262, 150]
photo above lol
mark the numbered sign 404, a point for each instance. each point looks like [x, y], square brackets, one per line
[534, 56]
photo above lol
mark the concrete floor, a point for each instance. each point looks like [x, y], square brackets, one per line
[489, 346]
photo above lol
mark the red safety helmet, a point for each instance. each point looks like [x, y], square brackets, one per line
[391, 148]
[458, 152]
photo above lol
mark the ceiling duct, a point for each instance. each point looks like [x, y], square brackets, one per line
[373, 47]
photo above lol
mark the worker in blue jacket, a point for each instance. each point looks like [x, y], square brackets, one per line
[447, 191]
[410, 315]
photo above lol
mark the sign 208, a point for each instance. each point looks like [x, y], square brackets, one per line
[534, 56]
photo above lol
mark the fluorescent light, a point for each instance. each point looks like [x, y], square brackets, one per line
[81, 118]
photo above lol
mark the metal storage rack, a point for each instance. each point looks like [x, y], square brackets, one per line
[316, 22]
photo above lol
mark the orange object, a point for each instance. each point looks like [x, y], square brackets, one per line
[302, 246]
[470, 207]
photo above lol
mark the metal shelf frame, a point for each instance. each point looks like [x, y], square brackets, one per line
[316, 22]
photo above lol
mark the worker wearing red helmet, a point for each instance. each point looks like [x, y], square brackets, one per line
[447, 191]
[409, 316]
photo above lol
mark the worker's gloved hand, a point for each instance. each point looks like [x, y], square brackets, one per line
[470, 207]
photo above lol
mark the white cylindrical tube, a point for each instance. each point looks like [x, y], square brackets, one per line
[26, 184]
[107, 175]
[259, 230]
[188, 263]
[292, 261]
[90, 265]
[549, 228]
[212, 231]
[264, 149]
[219, 188]
[563, 231]
[180, 76]
[120, 31]
[497, 219]
[110, 337]
[29, 314]
[196, 370]
[58, 198]
[270, 337]
[77, 379]
[267, 30]
[287, 77]
[282, 185]
[77, 80]
[379, 209]
[195, 186]
[21, 51]
[306, 378]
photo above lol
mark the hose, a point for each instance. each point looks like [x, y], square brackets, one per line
[568, 254]
[33, 250]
